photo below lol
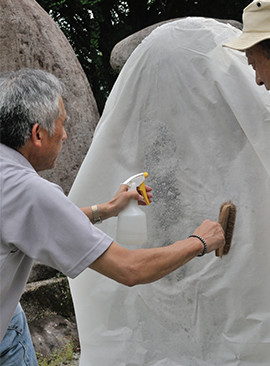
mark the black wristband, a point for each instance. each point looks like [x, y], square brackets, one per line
[203, 241]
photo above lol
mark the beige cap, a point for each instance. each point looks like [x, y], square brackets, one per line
[256, 26]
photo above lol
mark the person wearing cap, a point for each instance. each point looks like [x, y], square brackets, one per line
[255, 40]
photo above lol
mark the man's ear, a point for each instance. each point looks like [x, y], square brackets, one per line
[35, 135]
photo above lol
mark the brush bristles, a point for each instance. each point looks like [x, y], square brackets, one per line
[227, 216]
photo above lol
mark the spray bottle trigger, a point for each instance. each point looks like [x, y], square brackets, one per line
[142, 191]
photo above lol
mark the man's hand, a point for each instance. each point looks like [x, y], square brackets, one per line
[122, 198]
[118, 203]
[212, 233]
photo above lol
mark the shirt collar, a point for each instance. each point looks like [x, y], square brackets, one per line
[14, 155]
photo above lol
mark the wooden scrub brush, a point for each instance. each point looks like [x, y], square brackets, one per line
[227, 215]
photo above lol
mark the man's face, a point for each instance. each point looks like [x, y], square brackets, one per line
[261, 64]
[53, 144]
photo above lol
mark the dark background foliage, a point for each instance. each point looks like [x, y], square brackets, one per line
[93, 27]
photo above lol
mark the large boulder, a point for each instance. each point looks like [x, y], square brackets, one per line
[30, 38]
[183, 109]
[123, 49]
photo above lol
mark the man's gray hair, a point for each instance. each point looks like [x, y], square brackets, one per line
[27, 96]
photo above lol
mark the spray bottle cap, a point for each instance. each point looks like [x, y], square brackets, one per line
[137, 181]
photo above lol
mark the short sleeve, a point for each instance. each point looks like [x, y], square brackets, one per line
[49, 228]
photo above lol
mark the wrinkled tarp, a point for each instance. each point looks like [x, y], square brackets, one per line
[187, 111]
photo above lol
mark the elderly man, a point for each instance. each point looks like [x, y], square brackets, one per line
[38, 222]
[255, 39]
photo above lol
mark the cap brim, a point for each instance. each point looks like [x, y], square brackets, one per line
[247, 40]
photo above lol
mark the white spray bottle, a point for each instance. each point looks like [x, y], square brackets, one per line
[131, 224]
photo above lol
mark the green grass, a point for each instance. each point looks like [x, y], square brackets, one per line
[64, 354]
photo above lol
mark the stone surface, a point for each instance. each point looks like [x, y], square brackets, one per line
[123, 49]
[30, 38]
[41, 272]
[49, 310]
[52, 333]
[43, 298]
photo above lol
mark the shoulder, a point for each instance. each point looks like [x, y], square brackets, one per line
[22, 189]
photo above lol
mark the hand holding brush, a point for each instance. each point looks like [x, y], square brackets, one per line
[227, 216]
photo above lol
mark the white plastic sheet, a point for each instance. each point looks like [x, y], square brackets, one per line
[188, 111]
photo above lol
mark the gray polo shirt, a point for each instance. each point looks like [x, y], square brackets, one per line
[38, 222]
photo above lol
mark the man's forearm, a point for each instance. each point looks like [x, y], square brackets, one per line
[133, 267]
[116, 204]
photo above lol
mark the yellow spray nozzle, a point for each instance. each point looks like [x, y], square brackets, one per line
[142, 191]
